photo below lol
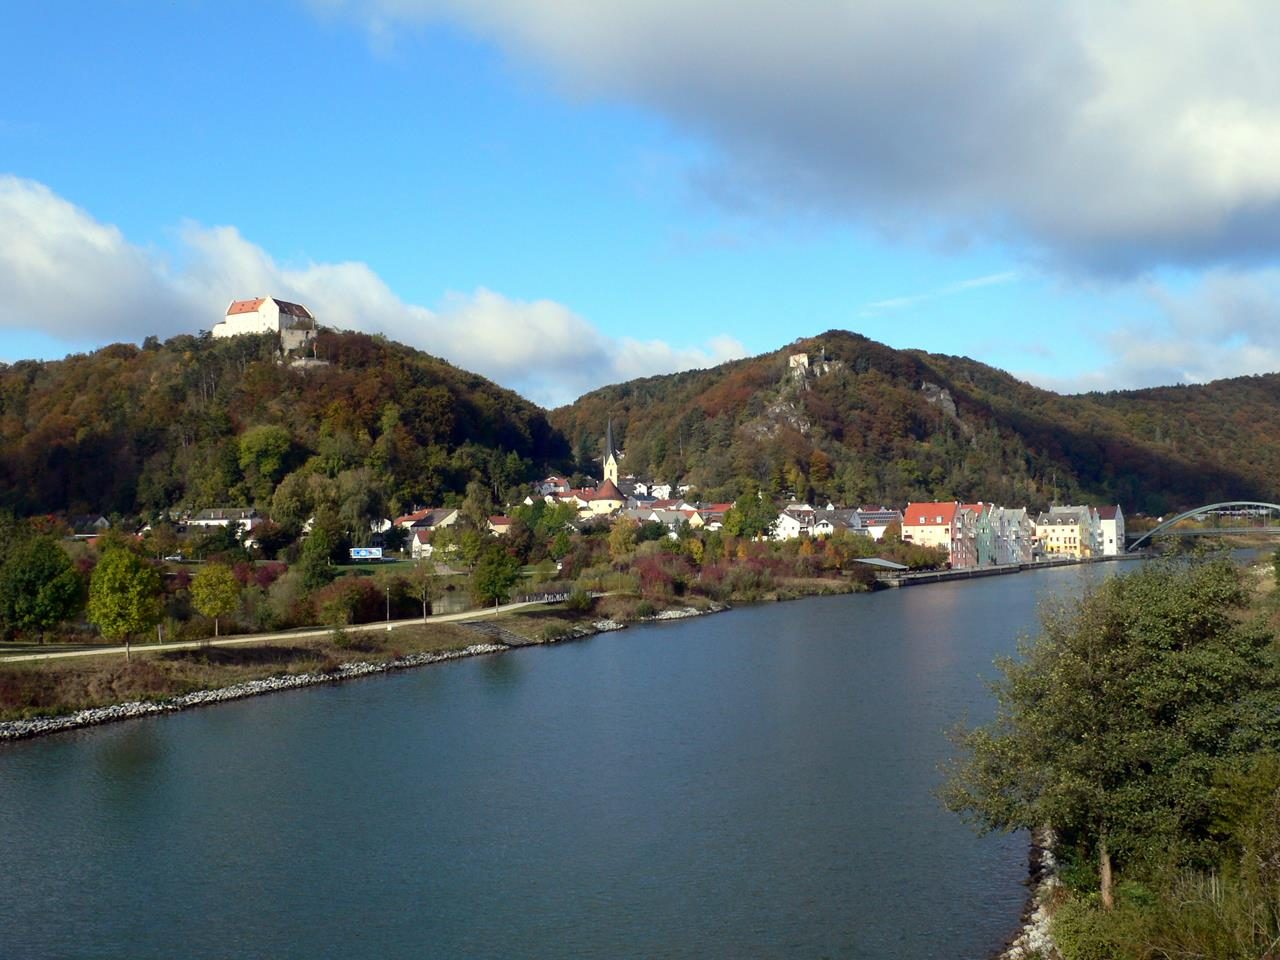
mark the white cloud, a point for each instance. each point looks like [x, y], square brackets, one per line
[1113, 135]
[878, 307]
[1226, 325]
[71, 277]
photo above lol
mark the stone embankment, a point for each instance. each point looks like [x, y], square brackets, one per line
[1034, 940]
[21, 729]
[39, 726]
[496, 640]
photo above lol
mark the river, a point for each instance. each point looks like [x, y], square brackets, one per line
[753, 784]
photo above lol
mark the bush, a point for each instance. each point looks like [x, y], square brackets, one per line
[579, 601]
[349, 600]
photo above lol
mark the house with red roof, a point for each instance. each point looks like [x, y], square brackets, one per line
[942, 524]
[428, 518]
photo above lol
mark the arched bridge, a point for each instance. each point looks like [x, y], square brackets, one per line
[1201, 511]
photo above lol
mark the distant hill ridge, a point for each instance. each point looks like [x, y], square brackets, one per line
[861, 422]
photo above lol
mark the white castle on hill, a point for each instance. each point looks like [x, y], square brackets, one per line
[292, 321]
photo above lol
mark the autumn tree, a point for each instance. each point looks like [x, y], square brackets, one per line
[622, 538]
[215, 592]
[1114, 720]
[124, 595]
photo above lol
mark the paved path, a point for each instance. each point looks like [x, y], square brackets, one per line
[265, 637]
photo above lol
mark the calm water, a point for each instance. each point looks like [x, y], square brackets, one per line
[754, 784]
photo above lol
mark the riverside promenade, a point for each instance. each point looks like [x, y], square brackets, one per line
[970, 573]
[303, 633]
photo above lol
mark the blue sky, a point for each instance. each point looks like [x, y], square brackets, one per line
[560, 195]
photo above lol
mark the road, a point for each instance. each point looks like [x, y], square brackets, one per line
[232, 641]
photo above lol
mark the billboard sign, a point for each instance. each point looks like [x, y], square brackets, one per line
[366, 553]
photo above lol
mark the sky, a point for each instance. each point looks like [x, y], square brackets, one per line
[560, 195]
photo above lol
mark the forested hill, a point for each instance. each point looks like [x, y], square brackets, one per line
[877, 424]
[197, 422]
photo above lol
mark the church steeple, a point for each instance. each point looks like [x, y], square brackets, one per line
[610, 455]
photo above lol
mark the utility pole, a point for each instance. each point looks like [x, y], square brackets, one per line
[388, 588]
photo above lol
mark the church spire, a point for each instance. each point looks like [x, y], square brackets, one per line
[610, 455]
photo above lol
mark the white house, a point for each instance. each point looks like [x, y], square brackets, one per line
[243, 519]
[420, 544]
[292, 321]
[1111, 520]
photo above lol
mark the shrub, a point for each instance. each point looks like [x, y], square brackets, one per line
[579, 601]
[349, 600]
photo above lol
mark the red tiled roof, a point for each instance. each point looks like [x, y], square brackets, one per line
[1108, 513]
[245, 306]
[498, 521]
[927, 514]
[251, 306]
[413, 517]
[608, 491]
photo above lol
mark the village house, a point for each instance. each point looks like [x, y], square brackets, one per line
[243, 518]
[713, 514]
[1111, 524]
[552, 484]
[428, 518]
[1015, 535]
[948, 526]
[876, 520]
[795, 520]
[1068, 531]
[420, 547]
[499, 526]
[86, 526]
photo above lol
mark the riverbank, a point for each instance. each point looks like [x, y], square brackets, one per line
[1034, 939]
[44, 696]
[496, 635]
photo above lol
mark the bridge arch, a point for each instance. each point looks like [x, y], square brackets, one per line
[1198, 511]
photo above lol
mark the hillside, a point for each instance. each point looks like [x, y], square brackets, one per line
[196, 422]
[877, 424]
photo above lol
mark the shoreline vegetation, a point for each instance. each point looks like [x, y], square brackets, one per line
[1138, 737]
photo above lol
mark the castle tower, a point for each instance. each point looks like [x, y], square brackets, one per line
[610, 455]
